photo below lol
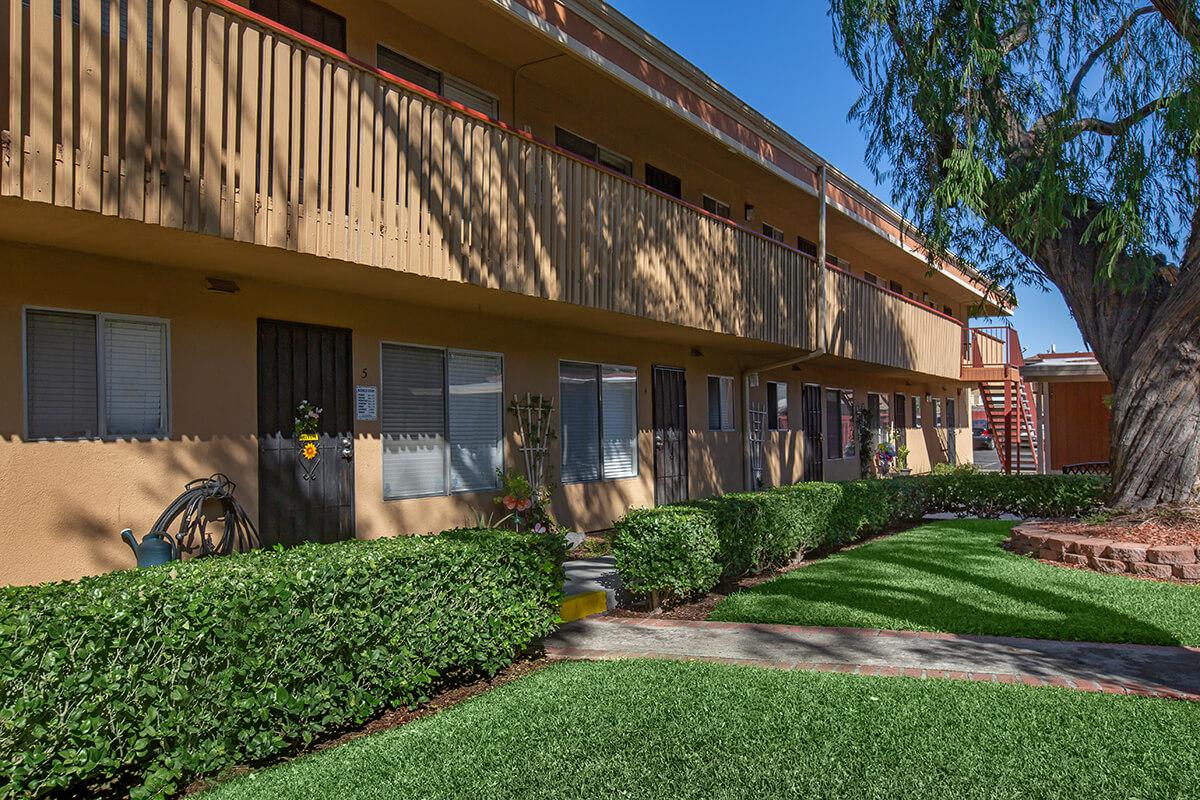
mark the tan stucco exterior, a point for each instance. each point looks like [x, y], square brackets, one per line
[68, 500]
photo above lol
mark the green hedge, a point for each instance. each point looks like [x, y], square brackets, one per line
[142, 680]
[672, 550]
[757, 531]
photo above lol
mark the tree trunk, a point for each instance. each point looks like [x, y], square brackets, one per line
[1155, 435]
[1147, 340]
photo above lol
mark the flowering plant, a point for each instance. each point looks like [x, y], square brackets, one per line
[528, 506]
[308, 419]
[885, 454]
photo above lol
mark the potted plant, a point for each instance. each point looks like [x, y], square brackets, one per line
[902, 461]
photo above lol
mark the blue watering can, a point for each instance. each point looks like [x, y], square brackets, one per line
[156, 548]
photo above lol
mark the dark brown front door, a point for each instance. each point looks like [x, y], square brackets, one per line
[670, 436]
[814, 464]
[304, 499]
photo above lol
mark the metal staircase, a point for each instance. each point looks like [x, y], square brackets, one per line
[992, 357]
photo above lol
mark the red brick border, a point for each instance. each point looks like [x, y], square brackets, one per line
[1181, 562]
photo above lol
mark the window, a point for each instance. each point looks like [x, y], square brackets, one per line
[471, 96]
[720, 403]
[664, 181]
[94, 375]
[937, 412]
[592, 152]
[407, 69]
[871, 278]
[900, 423]
[599, 421]
[896, 287]
[308, 18]
[806, 247]
[948, 311]
[839, 424]
[714, 206]
[916, 412]
[883, 421]
[442, 419]
[777, 406]
[771, 232]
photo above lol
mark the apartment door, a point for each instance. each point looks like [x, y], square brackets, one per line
[670, 436]
[305, 481]
[814, 464]
[951, 451]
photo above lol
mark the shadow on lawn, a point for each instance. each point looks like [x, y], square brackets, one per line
[883, 579]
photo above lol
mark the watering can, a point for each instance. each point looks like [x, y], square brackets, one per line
[155, 549]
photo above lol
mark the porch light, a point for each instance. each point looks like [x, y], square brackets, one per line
[749, 212]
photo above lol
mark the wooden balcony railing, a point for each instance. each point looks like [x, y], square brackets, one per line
[992, 346]
[228, 125]
[870, 323]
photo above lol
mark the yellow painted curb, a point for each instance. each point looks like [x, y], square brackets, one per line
[578, 606]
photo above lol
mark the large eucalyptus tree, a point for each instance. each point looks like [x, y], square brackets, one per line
[1059, 141]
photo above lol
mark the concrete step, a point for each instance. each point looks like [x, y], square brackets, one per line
[590, 586]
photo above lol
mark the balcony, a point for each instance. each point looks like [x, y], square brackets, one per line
[231, 126]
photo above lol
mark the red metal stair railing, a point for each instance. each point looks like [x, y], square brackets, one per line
[992, 356]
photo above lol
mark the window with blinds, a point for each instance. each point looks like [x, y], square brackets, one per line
[442, 421]
[720, 403]
[777, 406]
[94, 375]
[471, 96]
[598, 415]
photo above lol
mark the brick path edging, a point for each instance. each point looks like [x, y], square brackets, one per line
[1181, 562]
[1129, 688]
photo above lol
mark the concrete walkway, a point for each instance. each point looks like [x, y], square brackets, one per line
[1144, 670]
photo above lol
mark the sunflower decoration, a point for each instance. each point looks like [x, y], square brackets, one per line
[309, 451]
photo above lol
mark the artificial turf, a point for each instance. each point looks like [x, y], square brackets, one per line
[953, 576]
[650, 729]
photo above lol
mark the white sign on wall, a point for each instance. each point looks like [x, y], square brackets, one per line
[366, 403]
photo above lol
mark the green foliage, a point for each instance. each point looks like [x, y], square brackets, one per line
[671, 550]
[1006, 124]
[683, 550]
[143, 679]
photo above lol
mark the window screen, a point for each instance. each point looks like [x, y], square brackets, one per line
[580, 400]
[61, 379]
[720, 403]
[472, 97]
[306, 17]
[618, 401]
[476, 420]
[777, 406]
[74, 361]
[134, 376]
[443, 421]
[405, 68]
[664, 181]
[413, 422]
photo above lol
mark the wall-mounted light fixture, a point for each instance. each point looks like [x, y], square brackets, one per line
[222, 285]
[697, 352]
[749, 212]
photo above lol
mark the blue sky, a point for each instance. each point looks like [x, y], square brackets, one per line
[778, 56]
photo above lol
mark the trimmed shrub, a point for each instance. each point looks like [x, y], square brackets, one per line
[759, 530]
[670, 549]
[143, 679]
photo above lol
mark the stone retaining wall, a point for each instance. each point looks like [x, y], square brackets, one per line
[1181, 562]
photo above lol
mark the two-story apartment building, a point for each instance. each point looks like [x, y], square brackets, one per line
[406, 212]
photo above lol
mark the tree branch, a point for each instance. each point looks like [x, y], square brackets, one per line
[1104, 47]
[1181, 18]
[1118, 127]
[1015, 38]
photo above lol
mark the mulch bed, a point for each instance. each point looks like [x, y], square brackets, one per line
[393, 718]
[1152, 531]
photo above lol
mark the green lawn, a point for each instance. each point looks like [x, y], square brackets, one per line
[953, 576]
[642, 729]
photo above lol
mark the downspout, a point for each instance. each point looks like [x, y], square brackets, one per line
[822, 335]
[517, 77]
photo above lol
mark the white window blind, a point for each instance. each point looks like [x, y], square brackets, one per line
[61, 379]
[476, 420]
[580, 416]
[134, 377]
[413, 422]
[619, 403]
